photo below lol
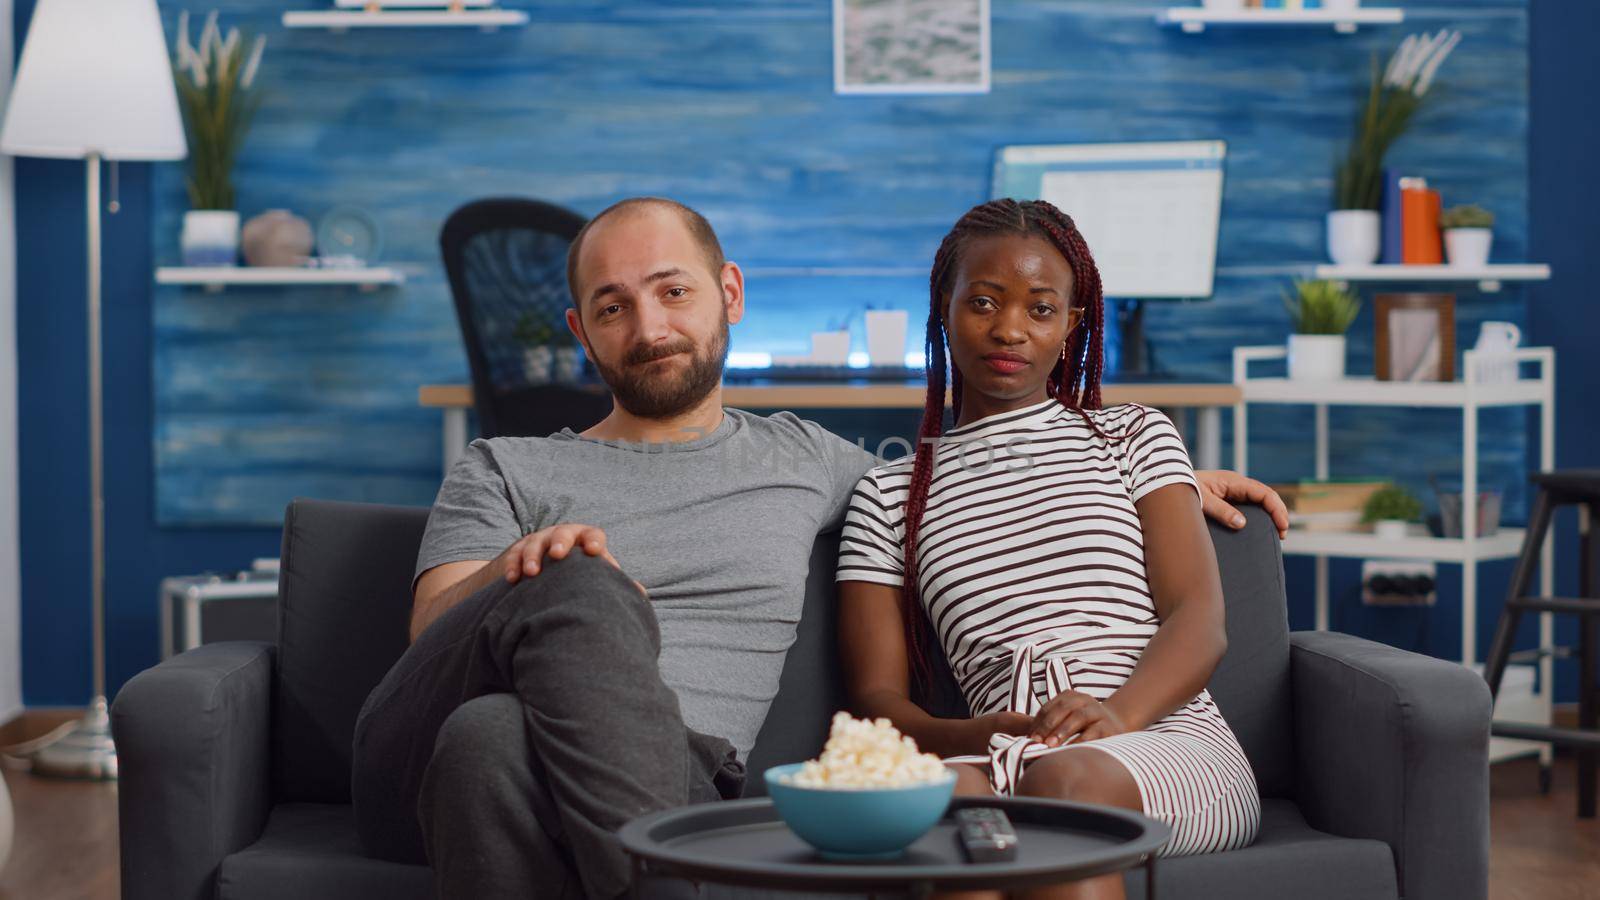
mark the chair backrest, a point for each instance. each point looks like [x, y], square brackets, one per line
[345, 598]
[506, 261]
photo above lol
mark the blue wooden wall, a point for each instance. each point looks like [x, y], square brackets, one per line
[265, 394]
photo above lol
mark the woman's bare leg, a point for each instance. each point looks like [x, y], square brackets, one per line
[1088, 776]
[971, 782]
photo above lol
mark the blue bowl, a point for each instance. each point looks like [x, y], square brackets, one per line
[861, 823]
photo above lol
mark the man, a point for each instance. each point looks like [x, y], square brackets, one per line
[550, 696]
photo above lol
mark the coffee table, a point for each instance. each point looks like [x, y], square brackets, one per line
[745, 843]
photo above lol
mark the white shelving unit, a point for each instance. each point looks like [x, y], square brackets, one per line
[1489, 278]
[1195, 19]
[344, 19]
[1467, 551]
[215, 278]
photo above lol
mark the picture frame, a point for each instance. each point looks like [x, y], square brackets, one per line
[911, 46]
[1415, 337]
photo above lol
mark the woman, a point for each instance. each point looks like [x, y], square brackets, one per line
[1060, 553]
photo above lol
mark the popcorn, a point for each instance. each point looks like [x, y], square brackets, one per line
[863, 755]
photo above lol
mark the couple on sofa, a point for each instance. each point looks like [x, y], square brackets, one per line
[600, 618]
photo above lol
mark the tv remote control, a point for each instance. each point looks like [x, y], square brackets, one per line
[986, 834]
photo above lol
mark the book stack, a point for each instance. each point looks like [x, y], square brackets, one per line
[1410, 222]
[1333, 505]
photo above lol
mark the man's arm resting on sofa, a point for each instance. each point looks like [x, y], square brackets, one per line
[1394, 745]
[193, 739]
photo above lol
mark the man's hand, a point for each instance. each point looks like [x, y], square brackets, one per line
[526, 557]
[1218, 486]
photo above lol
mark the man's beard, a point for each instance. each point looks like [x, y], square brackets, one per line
[662, 396]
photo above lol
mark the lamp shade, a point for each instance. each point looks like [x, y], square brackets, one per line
[94, 78]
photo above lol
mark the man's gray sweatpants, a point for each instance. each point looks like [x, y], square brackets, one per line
[521, 730]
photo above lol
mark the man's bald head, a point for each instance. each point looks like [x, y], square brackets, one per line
[699, 230]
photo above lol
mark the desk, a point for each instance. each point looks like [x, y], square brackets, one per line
[1204, 440]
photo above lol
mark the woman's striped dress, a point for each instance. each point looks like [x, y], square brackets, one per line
[1031, 567]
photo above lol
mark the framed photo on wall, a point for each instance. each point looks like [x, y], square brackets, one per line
[911, 46]
[1416, 337]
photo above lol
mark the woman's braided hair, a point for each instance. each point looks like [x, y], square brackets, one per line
[1074, 381]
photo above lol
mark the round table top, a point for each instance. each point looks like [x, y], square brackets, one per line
[744, 842]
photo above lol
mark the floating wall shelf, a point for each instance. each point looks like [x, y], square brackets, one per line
[1195, 19]
[342, 19]
[1487, 277]
[215, 278]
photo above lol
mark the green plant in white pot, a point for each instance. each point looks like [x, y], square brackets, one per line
[1321, 312]
[1468, 234]
[1391, 511]
[1354, 226]
[215, 80]
[538, 356]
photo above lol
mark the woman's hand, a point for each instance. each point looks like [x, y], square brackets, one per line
[1075, 713]
[1004, 722]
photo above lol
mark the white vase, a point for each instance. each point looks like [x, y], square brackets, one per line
[830, 348]
[1339, 6]
[886, 337]
[1225, 5]
[1390, 529]
[536, 363]
[1316, 357]
[1468, 248]
[1354, 237]
[210, 237]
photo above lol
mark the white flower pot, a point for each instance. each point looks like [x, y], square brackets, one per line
[569, 364]
[1316, 357]
[1341, 5]
[886, 337]
[536, 363]
[1223, 4]
[1389, 529]
[210, 237]
[1354, 237]
[1468, 247]
[830, 348]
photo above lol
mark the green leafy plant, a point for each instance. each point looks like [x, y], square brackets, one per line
[1392, 102]
[1468, 216]
[532, 331]
[1321, 307]
[215, 89]
[1392, 503]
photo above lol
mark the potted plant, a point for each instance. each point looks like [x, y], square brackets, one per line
[1321, 312]
[1390, 511]
[215, 90]
[535, 334]
[1468, 232]
[1354, 226]
[568, 357]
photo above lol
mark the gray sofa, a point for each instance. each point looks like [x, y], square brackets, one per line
[235, 757]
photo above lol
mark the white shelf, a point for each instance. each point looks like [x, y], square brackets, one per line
[1487, 277]
[1195, 19]
[339, 20]
[413, 4]
[1418, 544]
[215, 278]
[1371, 392]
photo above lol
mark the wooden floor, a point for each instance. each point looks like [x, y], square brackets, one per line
[66, 842]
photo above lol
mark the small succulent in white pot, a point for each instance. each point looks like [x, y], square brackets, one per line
[1468, 235]
[1321, 312]
[1391, 511]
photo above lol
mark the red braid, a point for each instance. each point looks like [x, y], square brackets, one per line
[1074, 381]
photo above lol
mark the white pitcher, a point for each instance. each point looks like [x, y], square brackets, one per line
[1496, 340]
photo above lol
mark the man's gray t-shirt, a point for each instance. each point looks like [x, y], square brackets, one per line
[718, 529]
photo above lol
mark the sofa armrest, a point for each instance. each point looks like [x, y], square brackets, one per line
[1394, 745]
[193, 750]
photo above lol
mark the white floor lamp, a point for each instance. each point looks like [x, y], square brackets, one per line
[95, 82]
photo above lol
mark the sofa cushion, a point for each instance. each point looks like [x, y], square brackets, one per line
[309, 851]
[1290, 859]
[344, 601]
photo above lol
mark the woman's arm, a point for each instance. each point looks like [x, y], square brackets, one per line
[1181, 568]
[877, 675]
